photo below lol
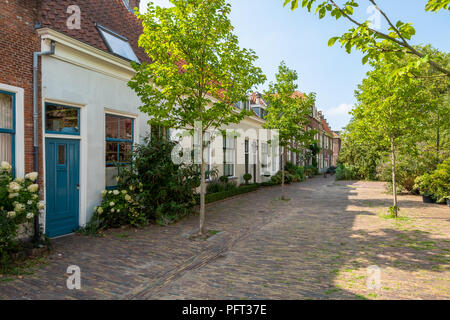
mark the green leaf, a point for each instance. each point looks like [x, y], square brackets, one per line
[332, 41]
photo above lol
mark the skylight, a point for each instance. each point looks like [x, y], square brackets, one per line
[117, 44]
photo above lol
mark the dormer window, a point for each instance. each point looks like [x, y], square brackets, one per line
[117, 44]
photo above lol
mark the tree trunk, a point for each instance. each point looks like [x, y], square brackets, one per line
[437, 139]
[283, 162]
[394, 182]
[202, 229]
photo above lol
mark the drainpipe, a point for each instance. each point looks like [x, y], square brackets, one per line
[36, 56]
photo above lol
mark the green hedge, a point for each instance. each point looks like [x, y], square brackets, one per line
[213, 197]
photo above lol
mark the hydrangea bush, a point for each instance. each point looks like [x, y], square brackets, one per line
[19, 203]
[119, 207]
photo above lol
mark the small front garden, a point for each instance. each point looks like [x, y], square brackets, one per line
[151, 189]
[19, 205]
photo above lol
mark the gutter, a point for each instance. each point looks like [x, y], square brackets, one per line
[36, 56]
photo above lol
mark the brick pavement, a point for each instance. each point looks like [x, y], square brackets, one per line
[318, 245]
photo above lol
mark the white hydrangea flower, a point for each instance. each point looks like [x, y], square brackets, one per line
[128, 197]
[111, 204]
[118, 210]
[112, 210]
[100, 210]
[19, 180]
[13, 195]
[32, 176]
[29, 202]
[14, 187]
[30, 215]
[116, 192]
[41, 205]
[33, 188]
[5, 166]
[11, 214]
[124, 191]
[104, 192]
[18, 207]
[35, 196]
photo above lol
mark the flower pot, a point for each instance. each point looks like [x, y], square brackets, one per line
[428, 199]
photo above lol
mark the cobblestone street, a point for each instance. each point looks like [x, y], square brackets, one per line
[318, 245]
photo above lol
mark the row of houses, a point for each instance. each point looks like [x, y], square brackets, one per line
[67, 112]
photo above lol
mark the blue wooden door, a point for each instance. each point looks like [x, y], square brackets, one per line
[62, 163]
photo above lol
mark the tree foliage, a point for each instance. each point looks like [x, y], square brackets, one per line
[288, 112]
[374, 44]
[400, 116]
[198, 71]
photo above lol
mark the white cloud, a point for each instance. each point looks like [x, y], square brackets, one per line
[342, 109]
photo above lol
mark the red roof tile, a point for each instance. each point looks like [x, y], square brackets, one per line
[111, 14]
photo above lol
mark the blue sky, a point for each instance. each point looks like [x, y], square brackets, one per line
[276, 33]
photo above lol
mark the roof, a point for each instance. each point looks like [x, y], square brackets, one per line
[298, 94]
[111, 14]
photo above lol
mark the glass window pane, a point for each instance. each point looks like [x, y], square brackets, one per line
[119, 46]
[110, 177]
[61, 119]
[61, 154]
[5, 147]
[126, 128]
[112, 127]
[6, 111]
[111, 152]
[125, 152]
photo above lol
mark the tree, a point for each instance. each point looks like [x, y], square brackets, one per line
[390, 111]
[198, 72]
[375, 44]
[288, 112]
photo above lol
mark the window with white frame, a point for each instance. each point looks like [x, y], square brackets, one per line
[229, 155]
[7, 128]
[275, 153]
[264, 158]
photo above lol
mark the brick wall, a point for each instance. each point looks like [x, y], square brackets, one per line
[18, 41]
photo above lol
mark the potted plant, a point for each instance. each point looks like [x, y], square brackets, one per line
[247, 177]
[447, 198]
[425, 186]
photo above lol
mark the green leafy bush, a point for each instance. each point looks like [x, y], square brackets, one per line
[223, 179]
[165, 188]
[153, 187]
[436, 184]
[346, 172]
[218, 186]
[19, 203]
[119, 208]
[408, 168]
[296, 171]
[311, 170]
[277, 178]
[213, 197]
[247, 177]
